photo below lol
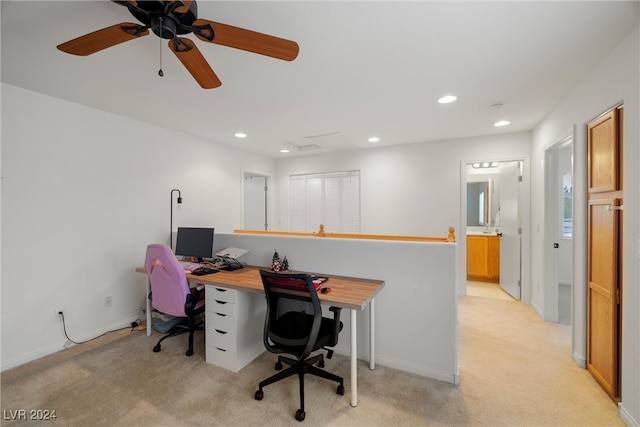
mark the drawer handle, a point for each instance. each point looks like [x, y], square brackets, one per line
[222, 315]
[220, 332]
[221, 290]
[221, 349]
[220, 302]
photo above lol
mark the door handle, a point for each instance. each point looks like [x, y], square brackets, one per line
[615, 208]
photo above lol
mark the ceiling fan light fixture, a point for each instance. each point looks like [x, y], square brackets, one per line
[173, 19]
[164, 27]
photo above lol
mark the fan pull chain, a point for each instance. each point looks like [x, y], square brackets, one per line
[160, 73]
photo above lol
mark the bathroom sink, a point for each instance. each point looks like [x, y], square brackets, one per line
[482, 233]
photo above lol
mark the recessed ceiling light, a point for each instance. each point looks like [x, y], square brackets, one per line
[447, 99]
[502, 123]
[240, 135]
[284, 150]
[374, 139]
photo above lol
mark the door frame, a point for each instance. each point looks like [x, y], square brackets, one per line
[525, 204]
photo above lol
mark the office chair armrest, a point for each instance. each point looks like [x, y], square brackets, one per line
[336, 320]
[193, 298]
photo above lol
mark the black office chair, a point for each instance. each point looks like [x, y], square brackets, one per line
[299, 332]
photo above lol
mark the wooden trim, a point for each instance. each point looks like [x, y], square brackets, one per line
[450, 238]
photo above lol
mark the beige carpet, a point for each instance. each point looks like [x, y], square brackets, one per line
[515, 371]
[487, 290]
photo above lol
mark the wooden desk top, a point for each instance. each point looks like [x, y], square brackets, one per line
[346, 292]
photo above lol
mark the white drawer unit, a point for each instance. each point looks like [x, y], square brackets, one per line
[234, 325]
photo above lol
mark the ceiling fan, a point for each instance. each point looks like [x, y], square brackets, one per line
[172, 19]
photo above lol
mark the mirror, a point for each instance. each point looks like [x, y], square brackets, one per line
[478, 203]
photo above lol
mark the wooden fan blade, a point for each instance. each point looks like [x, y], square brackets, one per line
[185, 8]
[251, 41]
[104, 38]
[194, 62]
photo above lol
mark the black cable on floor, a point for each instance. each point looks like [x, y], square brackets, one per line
[64, 328]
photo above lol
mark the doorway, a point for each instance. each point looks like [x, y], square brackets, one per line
[494, 227]
[256, 209]
[558, 233]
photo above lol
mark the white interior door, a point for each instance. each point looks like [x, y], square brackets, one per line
[255, 202]
[510, 242]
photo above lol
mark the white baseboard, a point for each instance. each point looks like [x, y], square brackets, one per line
[626, 417]
[580, 360]
[25, 358]
[449, 377]
[54, 348]
[537, 309]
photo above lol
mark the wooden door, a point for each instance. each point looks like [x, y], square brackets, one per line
[604, 236]
[602, 356]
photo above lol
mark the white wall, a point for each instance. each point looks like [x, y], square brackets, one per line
[83, 193]
[419, 282]
[413, 189]
[408, 189]
[614, 80]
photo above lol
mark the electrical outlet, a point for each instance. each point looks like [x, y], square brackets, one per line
[108, 301]
[57, 313]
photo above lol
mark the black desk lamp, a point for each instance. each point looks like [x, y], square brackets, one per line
[171, 220]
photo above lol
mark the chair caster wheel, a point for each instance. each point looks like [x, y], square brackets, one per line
[189, 352]
[259, 395]
[156, 348]
[278, 366]
[321, 363]
[340, 390]
[300, 415]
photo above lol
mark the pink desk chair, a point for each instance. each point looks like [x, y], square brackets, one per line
[170, 293]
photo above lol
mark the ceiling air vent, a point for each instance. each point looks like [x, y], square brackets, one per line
[334, 141]
[310, 147]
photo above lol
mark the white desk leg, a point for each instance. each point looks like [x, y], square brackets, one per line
[148, 308]
[372, 339]
[354, 361]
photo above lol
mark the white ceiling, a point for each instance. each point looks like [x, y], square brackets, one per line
[365, 68]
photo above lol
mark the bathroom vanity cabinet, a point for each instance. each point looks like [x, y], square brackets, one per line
[483, 258]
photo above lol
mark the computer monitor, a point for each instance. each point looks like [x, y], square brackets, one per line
[195, 242]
